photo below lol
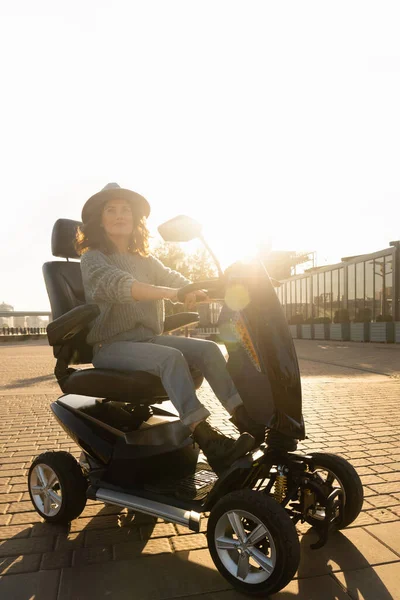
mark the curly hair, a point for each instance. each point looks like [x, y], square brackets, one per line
[91, 236]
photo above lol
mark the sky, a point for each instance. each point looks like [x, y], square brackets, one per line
[273, 123]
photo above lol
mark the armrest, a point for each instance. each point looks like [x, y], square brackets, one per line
[179, 320]
[61, 330]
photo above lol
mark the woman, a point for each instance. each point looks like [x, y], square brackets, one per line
[130, 285]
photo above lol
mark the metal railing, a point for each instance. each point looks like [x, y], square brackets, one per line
[22, 331]
[22, 328]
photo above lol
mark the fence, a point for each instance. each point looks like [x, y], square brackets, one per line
[22, 330]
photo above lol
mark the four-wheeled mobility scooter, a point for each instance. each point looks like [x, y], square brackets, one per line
[137, 454]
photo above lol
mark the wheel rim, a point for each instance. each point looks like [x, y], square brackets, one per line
[245, 546]
[45, 490]
[327, 477]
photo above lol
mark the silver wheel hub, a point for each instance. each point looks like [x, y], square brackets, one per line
[328, 478]
[245, 546]
[45, 489]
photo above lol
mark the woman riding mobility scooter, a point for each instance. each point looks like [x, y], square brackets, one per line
[136, 453]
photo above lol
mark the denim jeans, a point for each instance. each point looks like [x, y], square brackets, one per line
[169, 357]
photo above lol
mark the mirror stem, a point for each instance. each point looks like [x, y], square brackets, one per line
[215, 259]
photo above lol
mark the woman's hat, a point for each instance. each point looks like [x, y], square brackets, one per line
[110, 192]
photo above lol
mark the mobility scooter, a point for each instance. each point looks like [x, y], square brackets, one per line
[137, 454]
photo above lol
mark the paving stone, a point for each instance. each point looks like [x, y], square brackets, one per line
[381, 515]
[373, 583]
[69, 541]
[159, 530]
[393, 476]
[349, 549]
[56, 560]
[15, 531]
[386, 488]
[89, 556]
[15, 547]
[134, 549]
[388, 534]
[5, 519]
[52, 529]
[93, 510]
[367, 479]
[18, 507]
[161, 577]
[195, 541]
[42, 585]
[93, 523]
[19, 564]
[383, 500]
[27, 517]
[364, 518]
[19, 487]
[115, 535]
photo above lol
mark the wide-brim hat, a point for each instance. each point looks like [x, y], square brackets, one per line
[112, 191]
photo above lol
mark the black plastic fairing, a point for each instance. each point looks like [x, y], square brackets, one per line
[93, 439]
[272, 394]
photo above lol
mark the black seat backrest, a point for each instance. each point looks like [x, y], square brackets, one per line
[64, 284]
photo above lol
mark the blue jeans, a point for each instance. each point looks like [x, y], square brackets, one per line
[169, 357]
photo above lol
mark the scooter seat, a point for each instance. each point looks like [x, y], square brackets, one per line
[134, 387]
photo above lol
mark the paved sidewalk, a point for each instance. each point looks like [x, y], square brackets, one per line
[351, 407]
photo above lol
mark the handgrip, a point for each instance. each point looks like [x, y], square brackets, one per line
[213, 287]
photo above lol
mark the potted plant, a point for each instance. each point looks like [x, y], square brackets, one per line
[397, 332]
[321, 328]
[340, 328]
[307, 329]
[383, 329]
[359, 329]
[295, 323]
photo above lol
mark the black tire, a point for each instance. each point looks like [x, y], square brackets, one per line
[71, 485]
[350, 482]
[280, 527]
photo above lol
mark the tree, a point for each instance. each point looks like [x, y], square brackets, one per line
[196, 266]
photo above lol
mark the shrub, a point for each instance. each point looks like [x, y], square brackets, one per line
[296, 319]
[363, 315]
[341, 316]
[322, 320]
[384, 318]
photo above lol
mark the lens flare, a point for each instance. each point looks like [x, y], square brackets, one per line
[237, 297]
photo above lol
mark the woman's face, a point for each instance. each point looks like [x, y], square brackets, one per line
[117, 218]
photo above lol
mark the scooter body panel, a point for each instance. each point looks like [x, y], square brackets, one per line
[270, 390]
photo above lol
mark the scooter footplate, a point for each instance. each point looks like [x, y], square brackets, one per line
[192, 487]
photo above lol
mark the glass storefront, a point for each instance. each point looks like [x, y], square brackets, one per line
[364, 286]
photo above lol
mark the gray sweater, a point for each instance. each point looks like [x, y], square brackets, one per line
[107, 281]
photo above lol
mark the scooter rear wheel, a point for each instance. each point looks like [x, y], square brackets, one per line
[57, 487]
[253, 542]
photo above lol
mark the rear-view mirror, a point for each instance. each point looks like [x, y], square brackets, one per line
[180, 229]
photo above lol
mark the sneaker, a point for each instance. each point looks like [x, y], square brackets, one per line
[220, 450]
[242, 420]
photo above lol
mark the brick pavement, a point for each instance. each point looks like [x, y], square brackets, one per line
[351, 407]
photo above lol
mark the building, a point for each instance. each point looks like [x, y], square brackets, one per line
[367, 286]
[5, 321]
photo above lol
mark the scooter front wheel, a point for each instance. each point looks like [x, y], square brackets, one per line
[57, 487]
[334, 472]
[253, 542]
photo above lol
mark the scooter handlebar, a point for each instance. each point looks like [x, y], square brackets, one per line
[213, 287]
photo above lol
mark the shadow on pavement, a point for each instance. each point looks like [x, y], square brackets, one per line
[19, 383]
[186, 574]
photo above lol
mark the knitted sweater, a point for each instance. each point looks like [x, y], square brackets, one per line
[107, 281]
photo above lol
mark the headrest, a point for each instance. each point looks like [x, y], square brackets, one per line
[63, 238]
